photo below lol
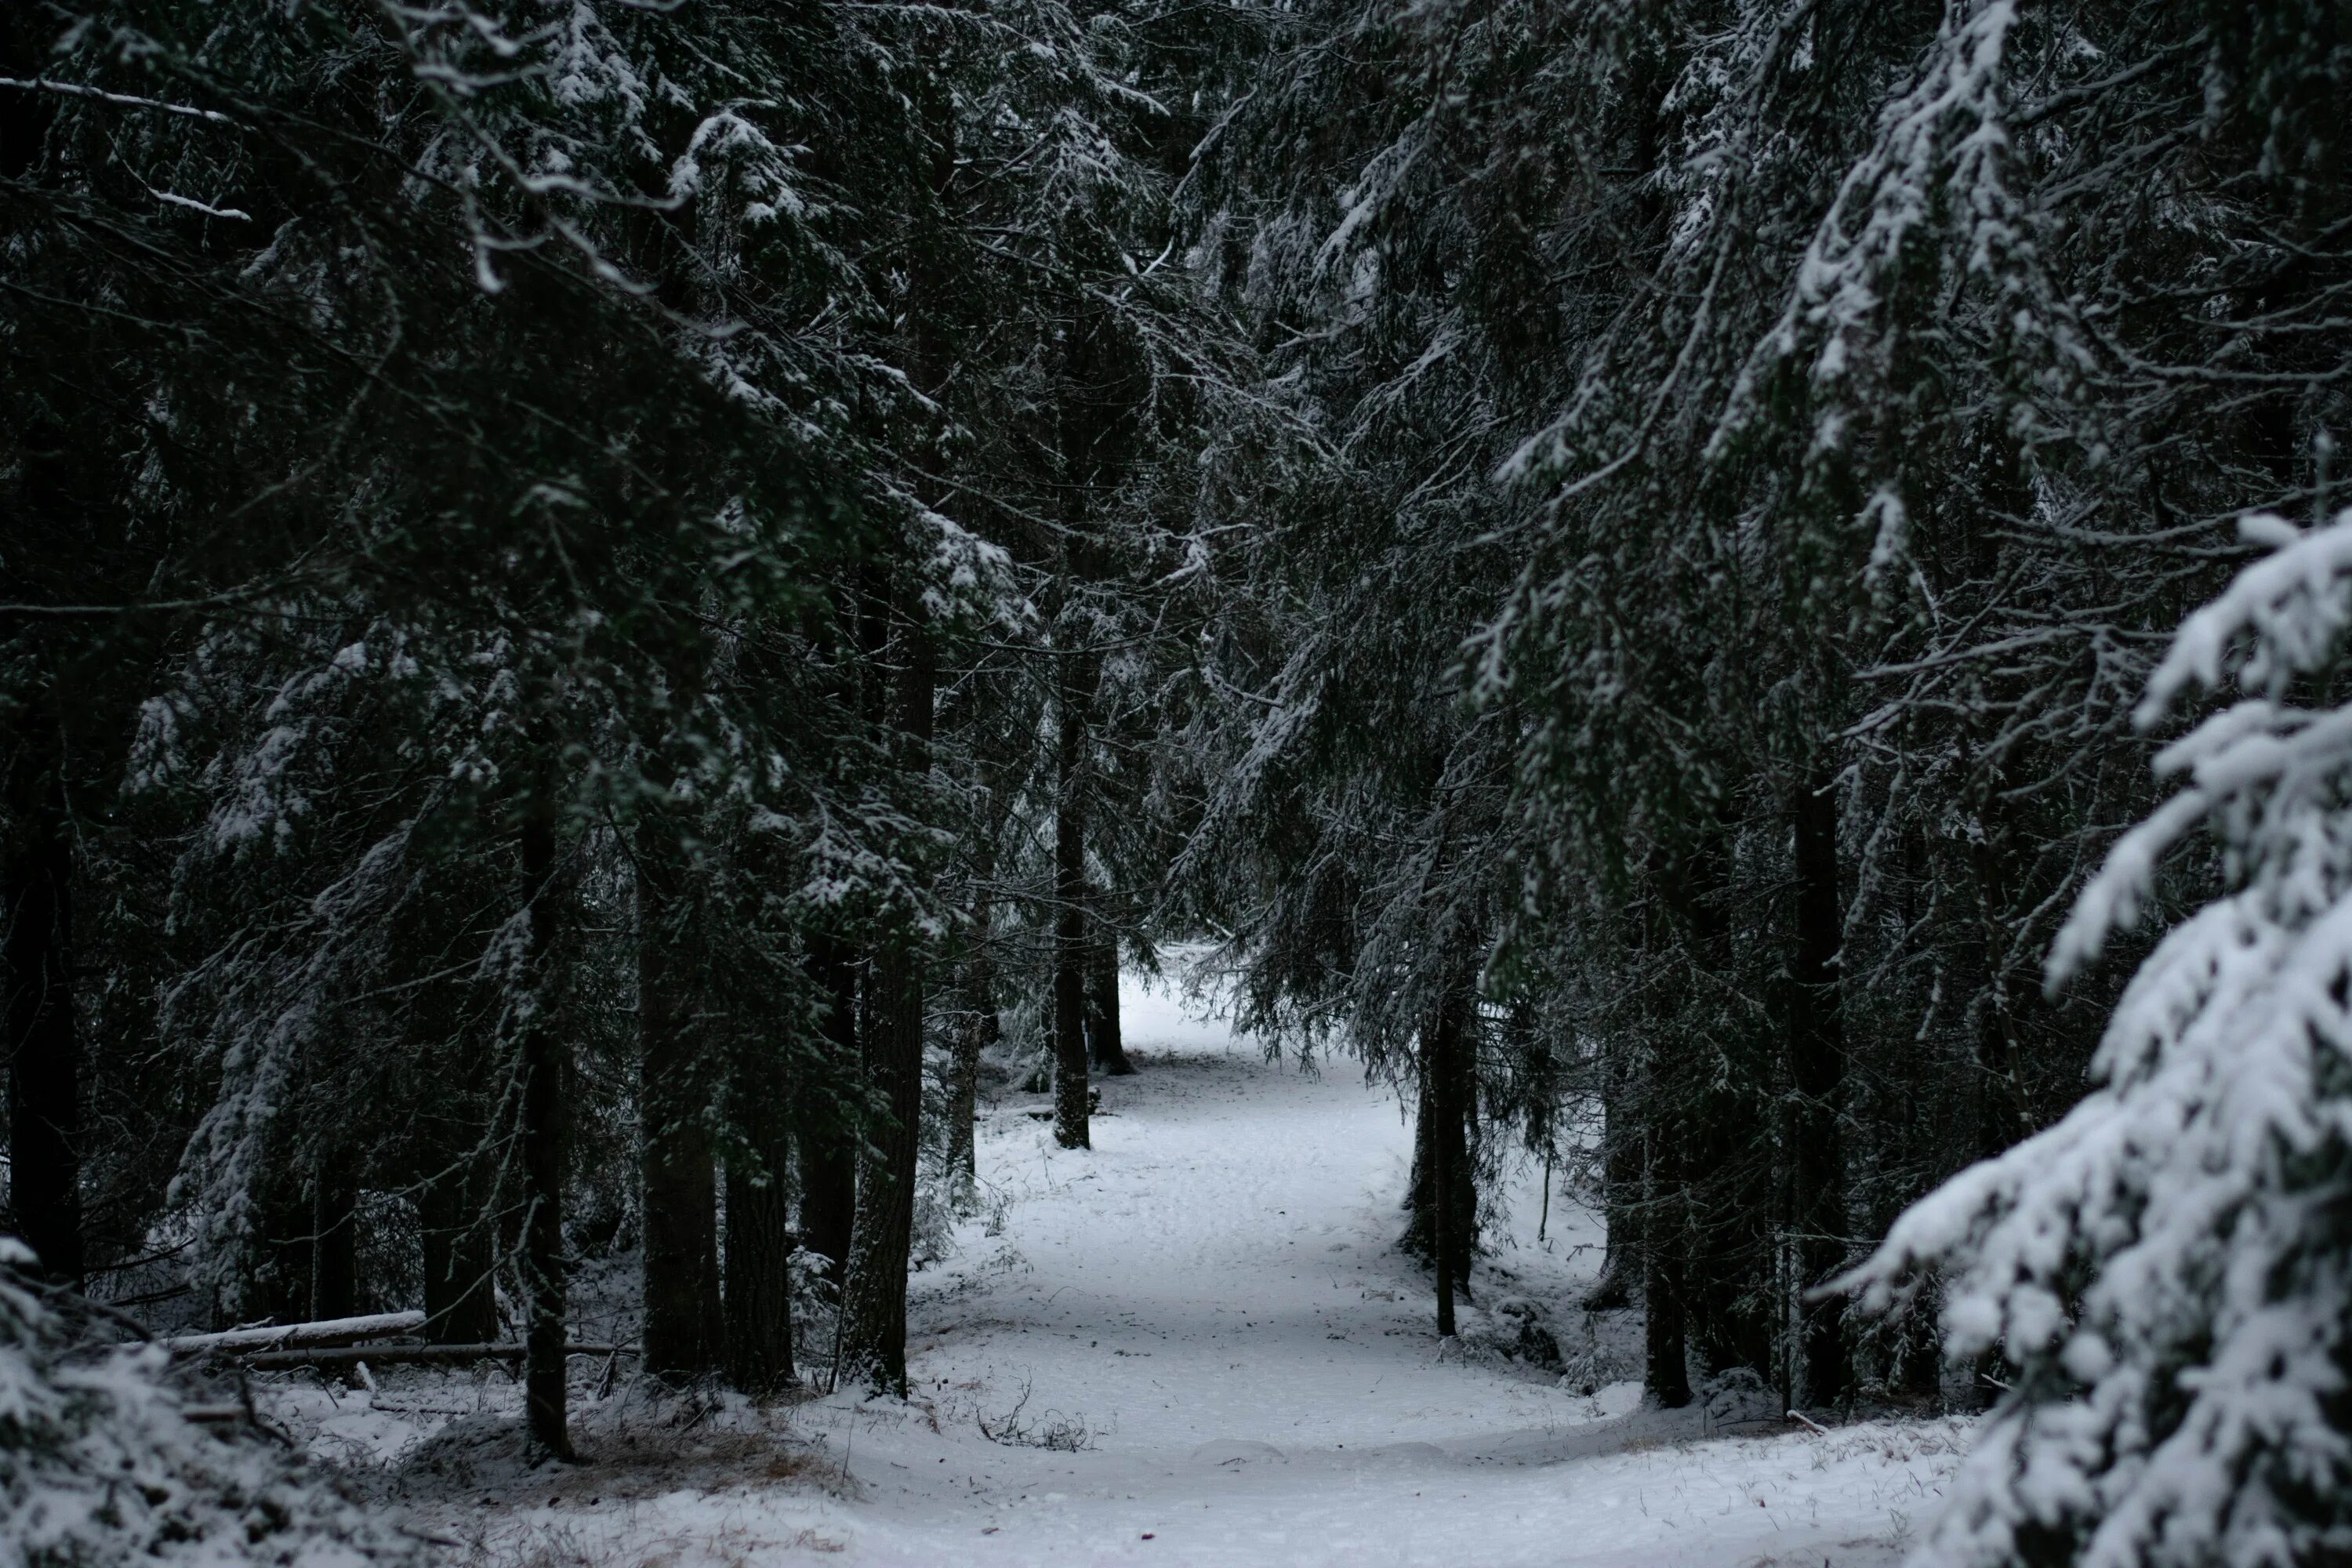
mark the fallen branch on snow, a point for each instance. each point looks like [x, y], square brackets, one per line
[287, 1336]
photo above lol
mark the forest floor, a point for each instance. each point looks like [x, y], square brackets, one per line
[1194, 1343]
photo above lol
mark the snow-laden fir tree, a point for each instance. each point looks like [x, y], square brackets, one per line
[2169, 1268]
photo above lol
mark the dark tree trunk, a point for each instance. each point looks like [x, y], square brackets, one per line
[759, 1282]
[685, 1330]
[544, 1134]
[1717, 1209]
[460, 1261]
[1444, 1177]
[1817, 1075]
[1072, 1126]
[1420, 1236]
[874, 1298]
[278, 1287]
[1665, 1369]
[1071, 1129]
[828, 1151]
[1105, 1048]
[36, 965]
[334, 1244]
[1441, 1114]
[1461, 1160]
[978, 1030]
[1451, 1245]
[759, 1240]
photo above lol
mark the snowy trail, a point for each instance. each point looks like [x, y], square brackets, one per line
[1211, 1294]
[1219, 1268]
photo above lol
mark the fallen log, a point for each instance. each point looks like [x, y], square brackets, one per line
[288, 1336]
[394, 1355]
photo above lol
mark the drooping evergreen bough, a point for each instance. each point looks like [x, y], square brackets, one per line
[2168, 1269]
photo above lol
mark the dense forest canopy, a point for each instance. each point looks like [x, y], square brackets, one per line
[609, 611]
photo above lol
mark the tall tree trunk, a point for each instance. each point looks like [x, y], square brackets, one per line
[759, 1240]
[1420, 1236]
[827, 1148]
[544, 1133]
[1665, 1345]
[460, 1259]
[1461, 1161]
[873, 1322]
[334, 1242]
[36, 965]
[685, 1329]
[978, 1030]
[1453, 1187]
[1105, 1048]
[1817, 1075]
[1442, 1113]
[1441, 1195]
[1071, 1129]
[874, 1299]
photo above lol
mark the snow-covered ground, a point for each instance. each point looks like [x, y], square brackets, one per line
[1193, 1343]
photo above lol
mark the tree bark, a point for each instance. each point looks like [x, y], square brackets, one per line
[979, 1031]
[1105, 1048]
[1443, 1181]
[1461, 1164]
[36, 965]
[1441, 1178]
[1453, 1189]
[1665, 1345]
[685, 1329]
[1420, 1236]
[279, 1274]
[544, 1134]
[1071, 1121]
[760, 1243]
[874, 1299]
[1817, 1075]
[334, 1244]
[828, 1153]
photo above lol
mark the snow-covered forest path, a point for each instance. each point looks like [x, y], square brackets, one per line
[1195, 1343]
[1219, 1270]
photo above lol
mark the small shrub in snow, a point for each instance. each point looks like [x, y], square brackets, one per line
[1051, 1429]
[99, 1469]
[1737, 1395]
[1517, 1333]
[933, 1233]
[2169, 1268]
